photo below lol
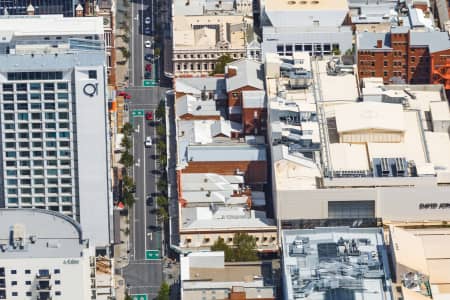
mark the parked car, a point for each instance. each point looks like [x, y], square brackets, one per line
[148, 57]
[150, 201]
[148, 67]
[149, 116]
[147, 75]
[124, 94]
[147, 30]
[147, 44]
[148, 141]
[147, 20]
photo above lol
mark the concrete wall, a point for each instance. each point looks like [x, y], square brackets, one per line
[391, 204]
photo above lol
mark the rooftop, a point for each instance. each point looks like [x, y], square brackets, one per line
[49, 25]
[211, 7]
[421, 259]
[210, 188]
[206, 271]
[335, 263]
[248, 73]
[435, 40]
[311, 5]
[196, 85]
[34, 233]
[62, 61]
[188, 105]
[214, 217]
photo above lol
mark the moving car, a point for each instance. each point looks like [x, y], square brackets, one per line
[124, 94]
[149, 116]
[148, 67]
[147, 75]
[147, 20]
[147, 44]
[148, 141]
[147, 30]
[148, 57]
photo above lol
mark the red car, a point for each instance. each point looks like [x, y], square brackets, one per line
[148, 67]
[124, 94]
[149, 116]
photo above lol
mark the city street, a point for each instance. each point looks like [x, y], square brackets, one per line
[143, 274]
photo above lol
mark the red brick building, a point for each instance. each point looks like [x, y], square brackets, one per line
[241, 76]
[403, 56]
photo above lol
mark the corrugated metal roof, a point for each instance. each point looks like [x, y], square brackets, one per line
[249, 73]
[368, 41]
[254, 99]
[227, 153]
[435, 40]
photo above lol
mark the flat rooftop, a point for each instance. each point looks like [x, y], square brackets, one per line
[231, 273]
[35, 233]
[51, 25]
[335, 263]
[288, 5]
[421, 256]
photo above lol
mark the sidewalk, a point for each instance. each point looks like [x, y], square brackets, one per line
[121, 255]
[122, 70]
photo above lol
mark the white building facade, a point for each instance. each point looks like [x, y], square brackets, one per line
[54, 133]
[44, 256]
[317, 27]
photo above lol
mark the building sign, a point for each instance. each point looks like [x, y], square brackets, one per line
[71, 261]
[434, 206]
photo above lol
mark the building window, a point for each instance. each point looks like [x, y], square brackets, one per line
[57, 282]
[385, 73]
[13, 282]
[92, 74]
[385, 63]
[58, 293]
[57, 271]
[27, 282]
[14, 294]
[280, 49]
[13, 271]
[29, 294]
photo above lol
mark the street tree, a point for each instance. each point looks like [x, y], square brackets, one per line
[164, 292]
[126, 159]
[126, 143]
[127, 129]
[128, 198]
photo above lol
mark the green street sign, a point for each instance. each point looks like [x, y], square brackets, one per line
[139, 297]
[149, 83]
[152, 254]
[137, 113]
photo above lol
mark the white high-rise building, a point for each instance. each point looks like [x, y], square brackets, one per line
[44, 255]
[53, 112]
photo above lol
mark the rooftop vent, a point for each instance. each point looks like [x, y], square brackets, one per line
[291, 2]
[314, 2]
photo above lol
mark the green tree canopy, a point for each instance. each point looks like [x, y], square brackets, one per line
[222, 61]
[243, 249]
[164, 292]
[127, 129]
[126, 159]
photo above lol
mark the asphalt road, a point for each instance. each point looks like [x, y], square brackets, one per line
[143, 276]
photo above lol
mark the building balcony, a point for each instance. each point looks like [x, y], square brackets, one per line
[43, 275]
[44, 296]
[44, 285]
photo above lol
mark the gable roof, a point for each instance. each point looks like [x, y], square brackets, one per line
[249, 73]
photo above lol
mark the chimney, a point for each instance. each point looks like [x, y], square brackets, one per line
[231, 71]
[30, 10]
[379, 44]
